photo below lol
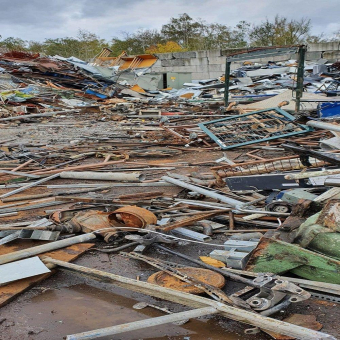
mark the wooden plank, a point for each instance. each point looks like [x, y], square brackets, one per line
[12, 290]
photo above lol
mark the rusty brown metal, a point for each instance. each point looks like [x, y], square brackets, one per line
[133, 216]
[91, 220]
[330, 216]
[298, 215]
[190, 220]
[164, 279]
[144, 195]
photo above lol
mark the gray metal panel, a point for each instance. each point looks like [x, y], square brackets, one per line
[21, 269]
[176, 79]
[265, 53]
[42, 235]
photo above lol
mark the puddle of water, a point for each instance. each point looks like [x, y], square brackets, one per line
[80, 308]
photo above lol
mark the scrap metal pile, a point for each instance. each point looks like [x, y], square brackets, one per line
[151, 181]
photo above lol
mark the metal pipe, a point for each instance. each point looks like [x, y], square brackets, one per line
[226, 82]
[29, 186]
[332, 182]
[33, 206]
[299, 81]
[104, 176]
[141, 324]
[25, 253]
[230, 201]
[16, 173]
[324, 126]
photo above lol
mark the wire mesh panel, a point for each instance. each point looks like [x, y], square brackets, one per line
[252, 127]
[266, 166]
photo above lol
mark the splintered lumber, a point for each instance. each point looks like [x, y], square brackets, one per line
[309, 174]
[29, 186]
[195, 301]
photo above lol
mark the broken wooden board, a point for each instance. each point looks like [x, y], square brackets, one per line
[12, 290]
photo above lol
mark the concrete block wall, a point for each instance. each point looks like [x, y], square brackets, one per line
[211, 64]
[201, 64]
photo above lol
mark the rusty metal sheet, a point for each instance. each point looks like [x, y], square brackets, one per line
[133, 216]
[164, 279]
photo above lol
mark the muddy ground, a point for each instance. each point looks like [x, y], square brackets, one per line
[67, 303]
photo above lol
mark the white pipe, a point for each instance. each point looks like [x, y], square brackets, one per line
[104, 176]
[25, 253]
[46, 179]
[325, 126]
[141, 324]
[230, 201]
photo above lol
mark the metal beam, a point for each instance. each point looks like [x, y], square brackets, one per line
[300, 74]
[262, 53]
[226, 82]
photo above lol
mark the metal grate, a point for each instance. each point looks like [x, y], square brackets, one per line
[274, 165]
[252, 127]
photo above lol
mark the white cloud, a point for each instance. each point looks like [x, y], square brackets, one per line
[39, 19]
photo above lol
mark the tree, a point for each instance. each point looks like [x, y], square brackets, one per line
[86, 46]
[13, 44]
[314, 39]
[89, 45]
[240, 34]
[280, 32]
[182, 30]
[168, 47]
[336, 36]
[35, 46]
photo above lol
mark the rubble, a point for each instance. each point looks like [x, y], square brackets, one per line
[81, 142]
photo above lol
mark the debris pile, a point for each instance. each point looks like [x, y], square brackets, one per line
[232, 211]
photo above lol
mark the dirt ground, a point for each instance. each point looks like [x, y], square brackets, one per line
[67, 303]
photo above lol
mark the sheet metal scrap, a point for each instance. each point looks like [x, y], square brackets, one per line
[253, 127]
[306, 153]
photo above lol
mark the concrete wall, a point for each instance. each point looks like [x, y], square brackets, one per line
[211, 64]
[330, 50]
[201, 64]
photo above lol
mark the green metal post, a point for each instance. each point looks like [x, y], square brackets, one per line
[226, 82]
[300, 73]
